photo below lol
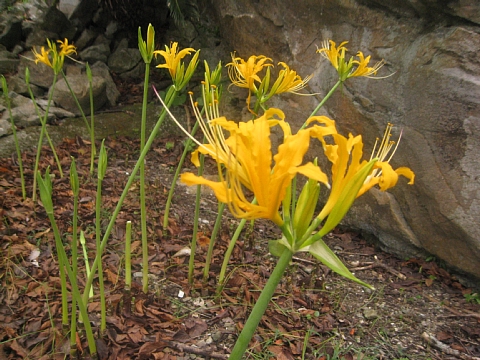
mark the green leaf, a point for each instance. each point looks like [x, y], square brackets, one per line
[45, 188]
[346, 198]
[323, 253]
[74, 178]
[276, 248]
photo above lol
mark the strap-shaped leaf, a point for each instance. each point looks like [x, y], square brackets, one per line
[323, 253]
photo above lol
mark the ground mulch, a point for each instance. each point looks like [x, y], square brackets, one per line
[314, 314]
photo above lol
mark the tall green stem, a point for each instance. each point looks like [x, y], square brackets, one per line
[82, 113]
[102, 167]
[62, 258]
[216, 228]
[193, 247]
[175, 177]
[75, 190]
[324, 100]
[143, 208]
[43, 120]
[228, 254]
[170, 97]
[93, 150]
[260, 306]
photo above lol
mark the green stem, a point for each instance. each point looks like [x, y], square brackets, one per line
[193, 247]
[143, 211]
[330, 93]
[43, 121]
[170, 97]
[228, 254]
[175, 177]
[216, 228]
[128, 255]
[73, 322]
[260, 306]
[98, 209]
[82, 113]
[93, 150]
[62, 259]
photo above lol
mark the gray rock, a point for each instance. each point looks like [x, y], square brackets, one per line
[8, 62]
[68, 6]
[86, 38]
[123, 60]
[101, 70]
[17, 84]
[37, 38]
[95, 53]
[25, 115]
[11, 33]
[55, 21]
[83, 14]
[81, 88]
[5, 127]
[433, 96]
[40, 74]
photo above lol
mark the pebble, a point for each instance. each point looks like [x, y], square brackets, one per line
[370, 314]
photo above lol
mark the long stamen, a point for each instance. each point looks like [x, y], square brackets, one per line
[178, 123]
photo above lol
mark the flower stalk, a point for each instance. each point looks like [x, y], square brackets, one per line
[102, 167]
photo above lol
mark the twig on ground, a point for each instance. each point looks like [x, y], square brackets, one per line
[453, 311]
[193, 350]
[383, 266]
[431, 340]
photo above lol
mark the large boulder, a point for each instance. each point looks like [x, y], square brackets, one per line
[433, 94]
[81, 87]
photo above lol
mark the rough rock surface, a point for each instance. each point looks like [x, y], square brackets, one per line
[79, 84]
[433, 94]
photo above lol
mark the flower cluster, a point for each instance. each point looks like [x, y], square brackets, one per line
[52, 57]
[351, 68]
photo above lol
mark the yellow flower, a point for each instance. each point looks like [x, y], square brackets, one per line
[288, 81]
[66, 49]
[52, 57]
[244, 74]
[42, 57]
[249, 166]
[345, 69]
[173, 62]
[383, 174]
[346, 154]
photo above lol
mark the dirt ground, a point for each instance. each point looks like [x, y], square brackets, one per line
[418, 310]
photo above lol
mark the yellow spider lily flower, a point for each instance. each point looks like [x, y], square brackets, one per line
[346, 158]
[66, 49]
[250, 166]
[173, 62]
[52, 57]
[244, 73]
[288, 81]
[42, 56]
[383, 174]
[345, 69]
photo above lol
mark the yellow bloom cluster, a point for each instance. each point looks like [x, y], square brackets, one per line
[52, 57]
[176, 68]
[247, 157]
[351, 68]
[246, 74]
